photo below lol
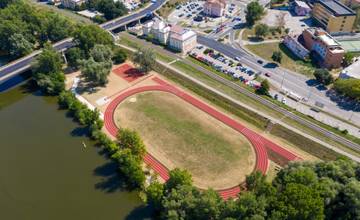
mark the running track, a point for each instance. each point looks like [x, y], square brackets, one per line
[260, 143]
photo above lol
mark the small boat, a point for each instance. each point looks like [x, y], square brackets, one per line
[84, 144]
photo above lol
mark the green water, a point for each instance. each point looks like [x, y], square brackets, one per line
[47, 173]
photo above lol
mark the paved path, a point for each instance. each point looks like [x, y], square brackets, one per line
[261, 145]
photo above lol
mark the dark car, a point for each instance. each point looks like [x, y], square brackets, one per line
[260, 62]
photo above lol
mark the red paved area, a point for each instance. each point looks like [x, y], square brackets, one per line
[260, 143]
[128, 72]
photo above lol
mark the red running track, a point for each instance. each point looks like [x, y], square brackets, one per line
[259, 143]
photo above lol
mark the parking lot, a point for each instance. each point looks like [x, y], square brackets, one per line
[191, 14]
[225, 65]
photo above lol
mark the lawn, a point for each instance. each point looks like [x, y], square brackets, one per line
[289, 60]
[180, 135]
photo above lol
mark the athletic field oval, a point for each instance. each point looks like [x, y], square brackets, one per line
[180, 135]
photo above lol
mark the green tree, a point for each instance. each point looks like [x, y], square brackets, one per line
[323, 76]
[111, 9]
[49, 61]
[209, 205]
[119, 56]
[74, 56]
[129, 139]
[5, 3]
[254, 11]
[19, 46]
[348, 58]
[348, 87]
[87, 36]
[96, 72]
[261, 30]
[178, 178]
[277, 56]
[154, 194]
[145, 59]
[101, 53]
[264, 88]
[130, 168]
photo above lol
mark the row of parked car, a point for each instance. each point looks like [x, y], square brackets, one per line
[191, 8]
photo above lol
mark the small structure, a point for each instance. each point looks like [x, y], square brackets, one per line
[89, 14]
[72, 4]
[293, 44]
[352, 71]
[329, 51]
[181, 39]
[215, 8]
[300, 8]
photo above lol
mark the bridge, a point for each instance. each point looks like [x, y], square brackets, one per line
[23, 64]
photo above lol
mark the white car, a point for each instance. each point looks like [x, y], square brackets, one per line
[283, 100]
[237, 58]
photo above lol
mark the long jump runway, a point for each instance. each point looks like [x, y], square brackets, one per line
[260, 143]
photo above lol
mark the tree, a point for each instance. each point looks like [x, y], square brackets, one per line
[154, 194]
[277, 56]
[130, 168]
[101, 53]
[49, 61]
[208, 206]
[323, 76]
[254, 11]
[96, 72]
[280, 20]
[348, 58]
[145, 59]
[348, 87]
[5, 3]
[119, 56]
[261, 30]
[74, 56]
[111, 9]
[87, 36]
[178, 178]
[129, 139]
[264, 88]
[19, 45]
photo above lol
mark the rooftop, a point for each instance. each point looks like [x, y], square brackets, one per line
[180, 33]
[337, 8]
[302, 4]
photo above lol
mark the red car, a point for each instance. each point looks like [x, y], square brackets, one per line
[267, 74]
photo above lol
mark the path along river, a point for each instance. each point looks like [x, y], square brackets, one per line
[47, 173]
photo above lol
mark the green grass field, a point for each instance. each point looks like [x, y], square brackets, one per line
[180, 135]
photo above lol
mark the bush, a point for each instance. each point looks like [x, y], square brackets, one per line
[119, 56]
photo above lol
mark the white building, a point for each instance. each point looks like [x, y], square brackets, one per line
[160, 30]
[72, 3]
[215, 8]
[181, 39]
[352, 71]
[292, 43]
[147, 27]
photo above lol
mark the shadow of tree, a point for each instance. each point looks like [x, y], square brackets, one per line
[111, 180]
[141, 212]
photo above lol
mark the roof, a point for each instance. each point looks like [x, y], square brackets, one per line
[353, 70]
[337, 8]
[220, 3]
[159, 24]
[302, 4]
[180, 33]
[328, 40]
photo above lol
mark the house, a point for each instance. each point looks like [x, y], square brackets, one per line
[300, 8]
[181, 39]
[160, 30]
[328, 51]
[215, 8]
[334, 16]
[293, 44]
[72, 4]
[352, 71]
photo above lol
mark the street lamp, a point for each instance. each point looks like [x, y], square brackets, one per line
[282, 81]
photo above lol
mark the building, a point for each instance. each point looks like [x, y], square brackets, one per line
[300, 8]
[146, 27]
[329, 52]
[352, 71]
[72, 4]
[181, 39]
[334, 16]
[215, 8]
[160, 31]
[293, 44]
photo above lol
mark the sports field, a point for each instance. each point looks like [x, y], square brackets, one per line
[181, 135]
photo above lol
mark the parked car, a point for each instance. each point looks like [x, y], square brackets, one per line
[267, 74]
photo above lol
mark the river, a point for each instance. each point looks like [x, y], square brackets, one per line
[47, 173]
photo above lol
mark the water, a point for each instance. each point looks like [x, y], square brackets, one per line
[47, 173]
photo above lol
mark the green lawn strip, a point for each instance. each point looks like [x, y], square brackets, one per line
[289, 60]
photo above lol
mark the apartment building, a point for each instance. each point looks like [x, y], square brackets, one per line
[182, 40]
[329, 52]
[215, 8]
[334, 16]
[293, 44]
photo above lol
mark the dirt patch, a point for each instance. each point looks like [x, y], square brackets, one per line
[180, 135]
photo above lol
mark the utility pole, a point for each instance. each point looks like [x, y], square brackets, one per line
[282, 81]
